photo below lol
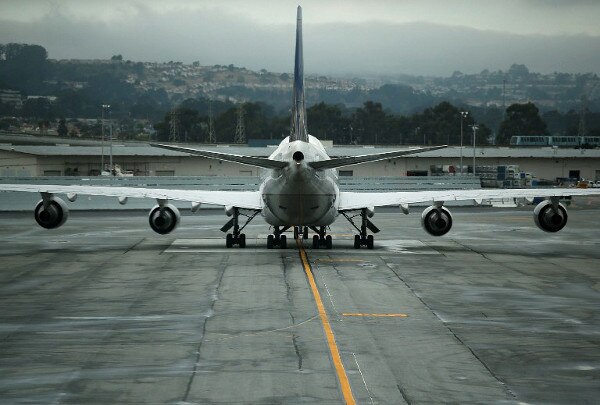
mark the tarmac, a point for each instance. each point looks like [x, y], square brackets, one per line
[104, 311]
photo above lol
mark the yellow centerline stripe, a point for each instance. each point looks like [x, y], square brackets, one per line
[382, 315]
[333, 349]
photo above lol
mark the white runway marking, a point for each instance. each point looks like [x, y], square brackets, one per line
[217, 245]
[406, 246]
[258, 244]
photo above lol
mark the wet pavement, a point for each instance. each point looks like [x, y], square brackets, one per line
[103, 310]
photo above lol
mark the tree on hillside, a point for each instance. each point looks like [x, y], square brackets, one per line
[440, 125]
[24, 66]
[325, 121]
[369, 123]
[62, 128]
[521, 119]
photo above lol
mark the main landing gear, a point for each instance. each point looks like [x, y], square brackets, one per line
[276, 239]
[236, 238]
[362, 239]
[321, 239]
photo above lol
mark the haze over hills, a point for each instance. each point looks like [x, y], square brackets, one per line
[356, 48]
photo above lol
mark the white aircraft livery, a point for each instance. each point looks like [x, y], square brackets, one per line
[300, 191]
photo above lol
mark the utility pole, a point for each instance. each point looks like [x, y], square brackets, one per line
[104, 106]
[581, 129]
[463, 115]
[212, 136]
[475, 128]
[111, 143]
[503, 97]
[240, 130]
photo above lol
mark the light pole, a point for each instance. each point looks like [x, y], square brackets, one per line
[475, 128]
[110, 131]
[104, 106]
[463, 115]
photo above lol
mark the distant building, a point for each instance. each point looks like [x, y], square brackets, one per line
[12, 97]
[43, 160]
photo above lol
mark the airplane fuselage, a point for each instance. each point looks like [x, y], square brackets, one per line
[298, 194]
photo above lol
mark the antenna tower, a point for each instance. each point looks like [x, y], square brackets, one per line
[240, 130]
[581, 129]
[212, 136]
[174, 130]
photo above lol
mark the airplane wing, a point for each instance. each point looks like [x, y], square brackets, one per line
[355, 200]
[229, 157]
[353, 160]
[239, 199]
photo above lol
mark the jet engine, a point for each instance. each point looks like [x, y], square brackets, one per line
[436, 220]
[549, 217]
[52, 214]
[164, 219]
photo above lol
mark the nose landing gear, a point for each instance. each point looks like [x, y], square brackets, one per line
[276, 239]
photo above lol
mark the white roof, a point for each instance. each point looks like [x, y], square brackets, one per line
[336, 151]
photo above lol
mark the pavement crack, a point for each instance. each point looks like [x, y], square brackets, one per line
[297, 350]
[223, 267]
[288, 292]
[134, 246]
[288, 287]
[404, 396]
[496, 377]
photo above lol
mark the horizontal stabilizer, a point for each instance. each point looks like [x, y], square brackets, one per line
[245, 160]
[354, 160]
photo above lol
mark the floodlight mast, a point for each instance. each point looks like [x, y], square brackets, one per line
[104, 106]
[475, 128]
[463, 114]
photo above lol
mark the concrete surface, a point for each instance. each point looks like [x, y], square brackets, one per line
[103, 310]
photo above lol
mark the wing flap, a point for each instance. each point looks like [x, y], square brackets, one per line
[353, 160]
[240, 199]
[356, 200]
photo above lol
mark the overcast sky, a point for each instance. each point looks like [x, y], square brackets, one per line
[429, 37]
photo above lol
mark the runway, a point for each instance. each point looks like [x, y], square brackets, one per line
[103, 310]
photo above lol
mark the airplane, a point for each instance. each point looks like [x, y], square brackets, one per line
[300, 191]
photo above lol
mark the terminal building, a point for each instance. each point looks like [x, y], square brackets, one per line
[545, 163]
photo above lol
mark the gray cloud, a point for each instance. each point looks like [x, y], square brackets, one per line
[218, 35]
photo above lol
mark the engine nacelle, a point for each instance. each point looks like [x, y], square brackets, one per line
[437, 221]
[164, 219]
[51, 215]
[550, 218]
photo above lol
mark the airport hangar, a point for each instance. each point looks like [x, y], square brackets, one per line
[144, 160]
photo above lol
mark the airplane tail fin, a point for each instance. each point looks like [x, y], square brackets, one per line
[299, 132]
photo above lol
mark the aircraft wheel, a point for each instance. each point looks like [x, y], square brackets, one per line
[356, 241]
[295, 232]
[242, 240]
[328, 242]
[270, 240]
[315, 241]
[370, 242]
[305, 233]
[282, 242]
[229, 240]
